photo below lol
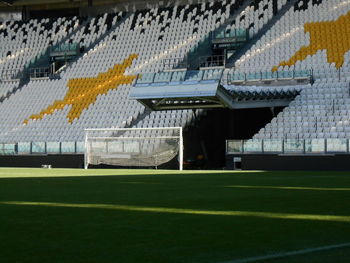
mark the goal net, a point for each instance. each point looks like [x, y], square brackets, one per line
[139, 147]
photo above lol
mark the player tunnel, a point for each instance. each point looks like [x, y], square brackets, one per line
[205, 141]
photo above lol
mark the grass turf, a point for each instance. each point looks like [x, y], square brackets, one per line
[107, 216]
[328, 256]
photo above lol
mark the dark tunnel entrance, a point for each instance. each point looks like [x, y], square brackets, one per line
[205, 142]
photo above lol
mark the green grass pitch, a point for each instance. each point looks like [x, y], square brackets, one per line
[103, 216]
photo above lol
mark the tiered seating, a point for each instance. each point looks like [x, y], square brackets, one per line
[263, 93]
[83, 92]
[22, 42]
[301, 41]
[93, 93]
[256, 15]
[50, 110]
[287, 37]
[94, 28]
[7, 87]
[319, 109]
[193, 22]
[166, 119]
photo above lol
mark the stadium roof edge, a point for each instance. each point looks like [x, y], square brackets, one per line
[9, 4]
[86, 7]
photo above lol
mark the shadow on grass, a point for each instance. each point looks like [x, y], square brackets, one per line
[167, 210]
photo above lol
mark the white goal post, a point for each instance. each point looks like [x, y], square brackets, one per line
[136, 147]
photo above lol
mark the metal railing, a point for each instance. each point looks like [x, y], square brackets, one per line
[288, 146]
[268, 76]
[174, 64]
[10, 74]
[239, 33]
[38, 73]
[28, 148]
[179, 76]
[211, 61]
[64, 48]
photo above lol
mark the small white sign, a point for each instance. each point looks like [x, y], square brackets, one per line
[237, 159]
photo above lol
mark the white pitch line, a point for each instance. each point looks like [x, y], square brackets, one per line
[288, 254]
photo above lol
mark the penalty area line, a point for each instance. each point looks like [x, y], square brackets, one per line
[288, 254]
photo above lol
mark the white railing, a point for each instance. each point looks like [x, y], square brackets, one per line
[288, 146]
[27, 148]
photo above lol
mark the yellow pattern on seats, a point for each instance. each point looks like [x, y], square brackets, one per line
[332, 36]
[83, 92]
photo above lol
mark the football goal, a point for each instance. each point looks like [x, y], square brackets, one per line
[136, 147]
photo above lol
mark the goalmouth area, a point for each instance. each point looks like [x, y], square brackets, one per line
[105, 215]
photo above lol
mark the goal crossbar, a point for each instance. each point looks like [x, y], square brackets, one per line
[133, 129]
[134, 138]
